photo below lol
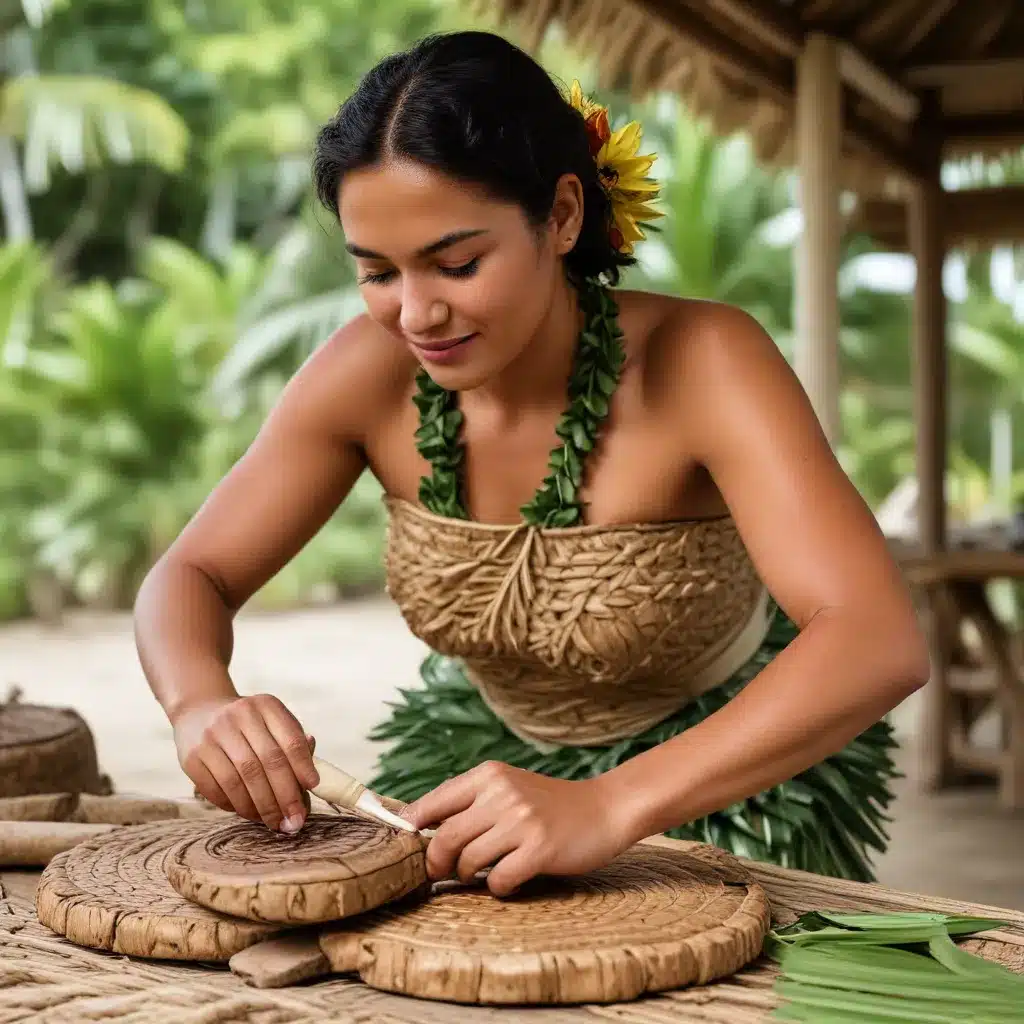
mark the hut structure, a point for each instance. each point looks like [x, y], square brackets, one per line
[863, 97]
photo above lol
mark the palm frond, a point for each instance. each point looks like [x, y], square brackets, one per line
[81, 121]
[307, 322]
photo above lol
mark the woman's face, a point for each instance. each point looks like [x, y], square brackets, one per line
[465, 282]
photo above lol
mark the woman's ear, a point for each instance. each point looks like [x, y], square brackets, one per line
[566, 219]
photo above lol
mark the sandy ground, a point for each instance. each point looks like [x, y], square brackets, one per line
[334, 668]
[337, 667]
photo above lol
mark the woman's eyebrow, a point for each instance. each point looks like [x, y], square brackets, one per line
[452, 238]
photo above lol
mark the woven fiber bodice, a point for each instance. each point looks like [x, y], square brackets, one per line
[583, 635]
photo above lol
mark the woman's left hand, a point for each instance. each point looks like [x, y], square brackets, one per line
[522, 823]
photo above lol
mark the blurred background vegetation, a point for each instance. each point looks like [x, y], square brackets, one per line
[164, 270]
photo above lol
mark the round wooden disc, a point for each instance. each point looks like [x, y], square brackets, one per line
[112, 893]
[46, 750]
[338, 865]
[654, 919]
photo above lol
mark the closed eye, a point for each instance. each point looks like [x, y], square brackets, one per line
[382, 277]
[463, 270]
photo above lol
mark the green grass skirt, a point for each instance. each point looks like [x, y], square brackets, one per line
[826, 820]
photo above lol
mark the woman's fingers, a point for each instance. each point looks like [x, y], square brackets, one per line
[208, 786]
[288, 734]
[485, 850]
[514, 870]
[278, 770]
[250, 770]
[446, 846]
[221, 768]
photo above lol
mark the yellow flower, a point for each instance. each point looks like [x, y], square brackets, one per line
[623, 174]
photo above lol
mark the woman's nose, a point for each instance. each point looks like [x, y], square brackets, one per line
[421, 312]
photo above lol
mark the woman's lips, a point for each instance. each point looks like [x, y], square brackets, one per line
[444, 351]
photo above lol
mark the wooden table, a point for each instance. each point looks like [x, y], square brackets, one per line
[963, 687]
[44, 978]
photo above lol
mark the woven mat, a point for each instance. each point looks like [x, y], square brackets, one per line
[47, 980]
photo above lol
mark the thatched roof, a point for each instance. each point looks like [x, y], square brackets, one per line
[948, 67]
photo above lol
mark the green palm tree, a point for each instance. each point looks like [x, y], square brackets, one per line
[77, 122]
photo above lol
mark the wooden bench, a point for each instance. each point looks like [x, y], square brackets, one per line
[970, 679]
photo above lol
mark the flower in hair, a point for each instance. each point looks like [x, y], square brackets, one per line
[622, 173]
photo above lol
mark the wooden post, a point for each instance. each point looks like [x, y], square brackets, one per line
[929, 372]
[818, 133]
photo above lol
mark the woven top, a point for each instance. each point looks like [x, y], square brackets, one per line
[583, 635]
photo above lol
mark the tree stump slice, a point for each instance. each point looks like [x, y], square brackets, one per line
[46, 750]
[653, 919]
[112, 893]
[338, 865]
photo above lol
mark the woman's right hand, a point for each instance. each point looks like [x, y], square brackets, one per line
[249, 755]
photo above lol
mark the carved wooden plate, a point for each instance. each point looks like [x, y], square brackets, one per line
[338, 865]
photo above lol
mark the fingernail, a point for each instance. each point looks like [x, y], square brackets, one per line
[291, 824]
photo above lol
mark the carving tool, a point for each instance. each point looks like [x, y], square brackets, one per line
[341, 790]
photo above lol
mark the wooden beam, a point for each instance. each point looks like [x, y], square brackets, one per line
[775, 26]
[819, 129]
[773, 81]
[929, 374]
[876, 85]
[973, 217]
[926, 230]
[966, 129]
[782, 31]
[884, 19]
[965, 72]
[927, 22]
[725, 51]
[987, 25]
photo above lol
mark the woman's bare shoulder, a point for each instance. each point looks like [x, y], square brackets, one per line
[688, 345]
[357, 377]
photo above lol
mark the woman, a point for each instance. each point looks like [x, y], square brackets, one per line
[591, 496]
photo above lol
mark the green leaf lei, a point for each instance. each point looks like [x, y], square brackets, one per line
[597, 366]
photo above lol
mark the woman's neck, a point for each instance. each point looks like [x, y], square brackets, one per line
[539, 376]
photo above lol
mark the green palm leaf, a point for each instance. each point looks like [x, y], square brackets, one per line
[81, 121]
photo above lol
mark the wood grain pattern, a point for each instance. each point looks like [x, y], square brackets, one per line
[654, 919]
[112, 893]
[337, 866]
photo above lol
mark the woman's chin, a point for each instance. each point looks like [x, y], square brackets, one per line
[458, 376]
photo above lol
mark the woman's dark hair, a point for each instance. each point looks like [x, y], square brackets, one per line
[477, 108]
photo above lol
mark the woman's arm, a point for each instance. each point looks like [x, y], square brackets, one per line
[822, 556]
[250, 754]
